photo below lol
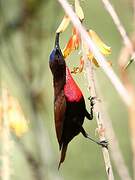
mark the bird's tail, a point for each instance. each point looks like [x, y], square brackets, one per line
[63, 154]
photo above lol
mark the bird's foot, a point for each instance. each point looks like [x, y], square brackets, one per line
[93, 100]
[104, 144]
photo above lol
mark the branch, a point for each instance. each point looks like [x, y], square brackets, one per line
[100, 58]
[92, 88]
[93, 93]
[118, 23]
[115, 151]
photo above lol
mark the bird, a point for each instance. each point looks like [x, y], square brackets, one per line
[69, 104]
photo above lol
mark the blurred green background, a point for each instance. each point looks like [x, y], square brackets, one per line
[27, 32]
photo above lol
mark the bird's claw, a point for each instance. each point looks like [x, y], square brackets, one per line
[92, 100]
[104, 144]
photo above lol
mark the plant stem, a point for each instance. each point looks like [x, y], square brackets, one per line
[93, 93]
[110, 9]
[115, 151]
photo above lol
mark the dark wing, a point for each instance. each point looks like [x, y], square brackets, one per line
[59, 113]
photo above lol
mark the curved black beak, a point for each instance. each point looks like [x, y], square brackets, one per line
[57, 41]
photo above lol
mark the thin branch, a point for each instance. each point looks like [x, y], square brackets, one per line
[119, 25]
[93, 92]
[92, 87]
[105, 123]
[100, 58]
[115, 151]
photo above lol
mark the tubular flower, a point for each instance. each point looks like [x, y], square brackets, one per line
[72, 44]
[103, 48]
[80, 68]
[64, 24]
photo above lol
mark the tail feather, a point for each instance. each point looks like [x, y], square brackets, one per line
[63, 154]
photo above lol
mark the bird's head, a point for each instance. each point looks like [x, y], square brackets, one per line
[56, 54]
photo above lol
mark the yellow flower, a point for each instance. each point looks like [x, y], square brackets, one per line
[19, 127]
[72, 44]
[103, 48]
[17, 121]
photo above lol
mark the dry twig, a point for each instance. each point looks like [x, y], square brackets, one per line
[92, 88]
[101, 130]
[120, 27]
[118, 23]
[115, 151]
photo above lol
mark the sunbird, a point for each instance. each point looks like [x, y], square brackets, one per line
[69, 104]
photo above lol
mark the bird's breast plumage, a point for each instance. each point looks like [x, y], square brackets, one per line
[71, 90]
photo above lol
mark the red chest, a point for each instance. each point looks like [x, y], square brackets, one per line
[71, 90]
